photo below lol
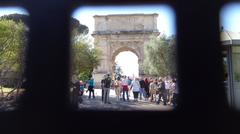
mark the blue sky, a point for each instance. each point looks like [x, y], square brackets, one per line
[12, 10]
[230, 17]
[166, 18]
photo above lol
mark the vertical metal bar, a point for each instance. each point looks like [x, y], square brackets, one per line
[230, 70]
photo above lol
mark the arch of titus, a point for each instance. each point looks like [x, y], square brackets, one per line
[124, 32]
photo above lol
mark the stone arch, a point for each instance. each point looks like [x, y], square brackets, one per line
[122, 34]
[120, 49]
[125, 48]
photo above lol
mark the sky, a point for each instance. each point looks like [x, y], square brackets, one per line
[12, 10]
[129, 65]
[166, 18]
[127, 60]
[230, 17]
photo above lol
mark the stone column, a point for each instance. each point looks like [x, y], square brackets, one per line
[102, 69]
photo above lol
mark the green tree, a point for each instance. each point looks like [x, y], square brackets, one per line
[78, 28]
[13, 30]
[160, 56]
[12, 46]
[117, 70]
[84, 57]
[74, 23]
[16, 18]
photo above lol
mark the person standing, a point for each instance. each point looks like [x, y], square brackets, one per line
[142, 90]
[146, 88]
[162, 92]
[107, 84]
[91, 88]
[81, 91]
[125, 88]
[168, 86]
[102, 85]
[152, 89]
[175, 93]
[129, 81]
[117, 86]
[74, 92]
[135, 86]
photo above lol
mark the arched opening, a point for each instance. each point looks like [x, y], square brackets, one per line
[126, 63]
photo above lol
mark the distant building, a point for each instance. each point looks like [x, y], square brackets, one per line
[231, 57]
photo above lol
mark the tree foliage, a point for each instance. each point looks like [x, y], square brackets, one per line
[16, 18]
[13, 30]
[160, 56]
[117, 71]
[12, 45]
[74, 23]
[78, 28]
[12, 54]
[13, 40]
[84, 57]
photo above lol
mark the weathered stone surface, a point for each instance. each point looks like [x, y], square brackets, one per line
[126, 22]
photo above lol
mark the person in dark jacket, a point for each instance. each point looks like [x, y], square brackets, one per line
[106, 85]
[162, 92]
[146, 88]
[75, 94]
[142, 90]
[102, 86]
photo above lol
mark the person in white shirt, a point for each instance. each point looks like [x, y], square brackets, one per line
[135, 86]
[168, 88]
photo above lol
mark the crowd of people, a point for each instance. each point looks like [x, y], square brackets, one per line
[159, 90]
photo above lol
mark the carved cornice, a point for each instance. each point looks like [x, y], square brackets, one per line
[125, 32]
[140, 14]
